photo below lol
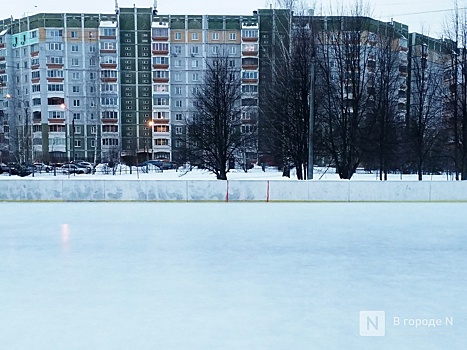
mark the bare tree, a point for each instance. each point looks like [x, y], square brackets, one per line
[345, 111]
[426, 105]
[214, 136]
[456, 31]
[288, 114]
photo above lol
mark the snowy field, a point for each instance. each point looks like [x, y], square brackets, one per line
[231, 276]
[270, 173]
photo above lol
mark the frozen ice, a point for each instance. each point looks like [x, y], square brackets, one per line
[230, 275]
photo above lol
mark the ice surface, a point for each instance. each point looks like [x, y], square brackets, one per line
[230, 275]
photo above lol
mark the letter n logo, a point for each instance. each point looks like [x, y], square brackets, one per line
[372, 323]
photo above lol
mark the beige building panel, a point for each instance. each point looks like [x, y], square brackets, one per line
[191, 33]
[173, 34]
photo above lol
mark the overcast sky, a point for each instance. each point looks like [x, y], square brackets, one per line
[421, 15]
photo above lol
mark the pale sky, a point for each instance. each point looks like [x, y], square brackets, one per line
[424, 16]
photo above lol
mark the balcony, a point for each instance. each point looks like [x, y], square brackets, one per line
[247, 39]
[109, 65]
[160, 38]
[35, 66]
[249, 53]
[34, 53]
[160, 80]
[108, 37]
[57, 121]
[103, 51]
[109, 120]
[249, 81]
[54, 65]
[160, 66]
[160, 52]
[55, 80]
[2, 45]
[109, 80]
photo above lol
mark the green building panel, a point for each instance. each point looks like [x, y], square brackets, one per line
[195, 22]
[177, 22]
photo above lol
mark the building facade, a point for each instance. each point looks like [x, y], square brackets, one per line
[120, 86]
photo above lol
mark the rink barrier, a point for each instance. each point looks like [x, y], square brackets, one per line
[231, 191]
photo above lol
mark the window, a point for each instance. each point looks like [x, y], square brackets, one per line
[215, 36]
[108, 45]
[75, 76]
[250, 75]
[108, 32]
[194, 50]
[33, 34]
[249, 47]
[160, 32]
[92, 61]
[35, 75]
[178, 90]
[178, 117]
[36, 88]
[76, 103]
[249, 88]
[178, 130]
[93, 143]
[232, 50]
[178, 103]
[53, 33]
[75, 88]
[232, 36]
[195, 77]
[178, 63]
[161, 142]
[161, 128]
[231, 63]
[55, 46]
[75, 62]
[160, 60]
[92, 75]
[77, 129]
[110, 115]
[160, 47]
[177, 49]
[55, 60]
[55, 87]
[109, 101]
[109, 88]
[74, 48]
[109, 128]
[93, 130]
[177, 77]
[215, 50]
[161, 101]
[178, 36]
[54, 73]
[109, 142]
[195, 64]
[92, 48]
[194, 36]
[56, 115]
[160, 74]
[76, 116]
[250, 33]
[161, 115]
[161, 88]
[74, 34]
[108, 73]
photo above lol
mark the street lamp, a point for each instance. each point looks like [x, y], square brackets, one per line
[26, 134]
[151, 124]
[64, 107]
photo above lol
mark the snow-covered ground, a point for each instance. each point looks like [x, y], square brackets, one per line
[231, 275]
[271, 173]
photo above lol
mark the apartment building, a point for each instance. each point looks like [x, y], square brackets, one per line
[105, 87]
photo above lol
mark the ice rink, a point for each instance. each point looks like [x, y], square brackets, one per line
[232, 275]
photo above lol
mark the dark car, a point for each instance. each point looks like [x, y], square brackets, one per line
[20, 170]
[72, 169]
[164, 164]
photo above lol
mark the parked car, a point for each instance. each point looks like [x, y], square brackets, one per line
[4, 168]
[150, 166]
[84, 165]
[71, 169]
[164, 164]
[41, 167]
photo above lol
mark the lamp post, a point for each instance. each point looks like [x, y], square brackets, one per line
[26, 132]
[64, 107]
[151, 124]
